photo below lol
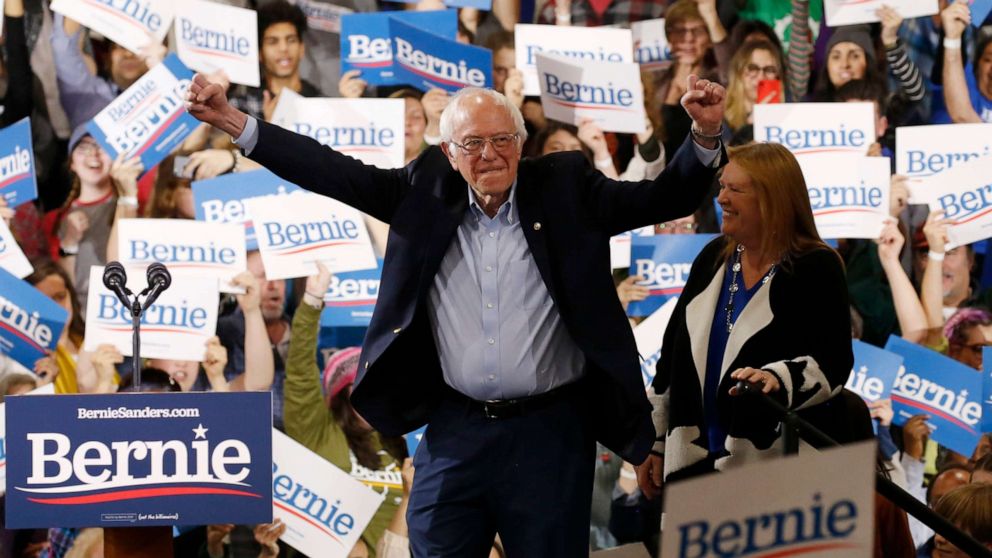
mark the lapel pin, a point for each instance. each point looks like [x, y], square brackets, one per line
[537, 226]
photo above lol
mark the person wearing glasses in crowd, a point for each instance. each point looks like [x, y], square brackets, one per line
[753, 62]
[497, 322]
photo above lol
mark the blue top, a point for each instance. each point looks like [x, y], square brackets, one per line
[714, 356]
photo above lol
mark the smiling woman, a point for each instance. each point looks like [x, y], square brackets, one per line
[746, 315]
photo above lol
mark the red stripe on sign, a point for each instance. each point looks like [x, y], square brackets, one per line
[590, 107]
[117, 14]
[161, 130]
[309, 520]
[848, 210]
[433, 77]
[14, 178]
[668, 291]
[378, 64]
[136, 111]
[289, 252]
[821, 547]
[207, 52]
[973, 217]
[351, 302]
[142, 493]
[929, 409]
[30, 341]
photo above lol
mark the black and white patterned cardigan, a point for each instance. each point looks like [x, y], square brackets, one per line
[798, 327]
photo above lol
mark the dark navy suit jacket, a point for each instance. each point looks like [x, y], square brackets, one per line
[568, 212]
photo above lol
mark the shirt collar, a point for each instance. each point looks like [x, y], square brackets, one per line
[507, 212]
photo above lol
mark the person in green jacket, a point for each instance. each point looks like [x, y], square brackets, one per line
[327, 424]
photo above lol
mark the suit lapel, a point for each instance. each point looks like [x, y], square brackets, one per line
[532, 219]
[755, 316]
[699, 321]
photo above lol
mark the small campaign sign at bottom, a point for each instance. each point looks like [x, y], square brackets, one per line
[142, 459]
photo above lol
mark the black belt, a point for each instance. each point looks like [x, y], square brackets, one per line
[498, 409]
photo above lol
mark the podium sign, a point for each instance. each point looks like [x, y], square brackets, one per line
[138, 460]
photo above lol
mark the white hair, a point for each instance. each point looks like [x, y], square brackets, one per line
[454, 111]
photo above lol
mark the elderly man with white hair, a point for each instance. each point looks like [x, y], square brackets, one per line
[497, 322]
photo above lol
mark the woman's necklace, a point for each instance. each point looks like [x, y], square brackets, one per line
[734, 287]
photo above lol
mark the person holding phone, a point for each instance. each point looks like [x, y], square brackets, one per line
[755, 77]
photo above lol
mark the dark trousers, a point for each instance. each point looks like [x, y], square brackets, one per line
[527, 477]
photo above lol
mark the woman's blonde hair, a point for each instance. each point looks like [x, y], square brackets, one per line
[738, 108]
[787, 227]
[970, 508]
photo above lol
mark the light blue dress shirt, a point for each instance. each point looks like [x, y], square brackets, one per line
[497, 331]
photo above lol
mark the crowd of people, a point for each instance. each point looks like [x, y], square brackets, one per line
[928, 70]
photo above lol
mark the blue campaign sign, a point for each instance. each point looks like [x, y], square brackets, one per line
[351, 298]
[221, 199]
[933, 384]
[987, 395]
[427, 61]
[413, 440]
[366, 46]
[980, 10]
[139, 459]
[148, 119]
[665, 260]
[30, 322]
[18, 183]
[874, 372]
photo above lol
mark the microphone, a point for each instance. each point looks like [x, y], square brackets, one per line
[115, 279]
[159, 280]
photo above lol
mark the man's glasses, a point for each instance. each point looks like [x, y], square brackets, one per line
[752, 70]
[475, 145]
[680, 32]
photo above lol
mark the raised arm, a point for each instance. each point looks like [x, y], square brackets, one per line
[76, 83]
[955, 19]
[259, 364]
[932, 286]
[800, 50]
[901, 65]
[300, 159]
[909, 309]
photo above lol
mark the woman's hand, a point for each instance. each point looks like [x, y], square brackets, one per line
[46, 369]
[955, 19]
[215, 360]
[882, 410]
[890, 243]
[629, 291]
[891, 20]
[318, 283]
[351, 86]
[251, 300]
[76, 224]
[935, 229]
[759, 378]
[267, 535]
[650, 475]
[126, 173]
[898, 194]
[592, 136]
[6, 212]
[210, 163]
[513, 87]
[104, 360]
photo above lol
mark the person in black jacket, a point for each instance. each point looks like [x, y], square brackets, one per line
[497, 321]
[766, 302]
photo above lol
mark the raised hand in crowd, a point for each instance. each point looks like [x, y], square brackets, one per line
[891, 21]
[126, 173]
[915, 434]
[629, 291]
[882, 410]
[103, 361]
[592, 136]
[318, 283]
[563, 12]
[269, 104]
[214, 362]
[875, 150]
[74, 228]
[909, 310]
[931, 288]
[955, 18]
[153, 52]
[46, 369]
[351, 85]
[648, 133]
[935, 229]
[6, 212]
[211, 162]
[434, 102]
[513, 87]
[215, 539]
[267, 535]
[708, 10]
[898, 194]
[259, 364]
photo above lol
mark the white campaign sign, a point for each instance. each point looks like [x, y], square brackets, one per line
[648, 336]
[176, 326]
[11, 257]
[126, 22]
[924, 152]
[609, 93]
[849, 194]
[370, 130]
[211, 36]
[650, 43]
[47, 389]
[813, 128]
[819, 504]
[850, 12]
[600, 44]
[620, 246]
[188, 248]
[295, 231]
[965, 194]
[324, 509]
